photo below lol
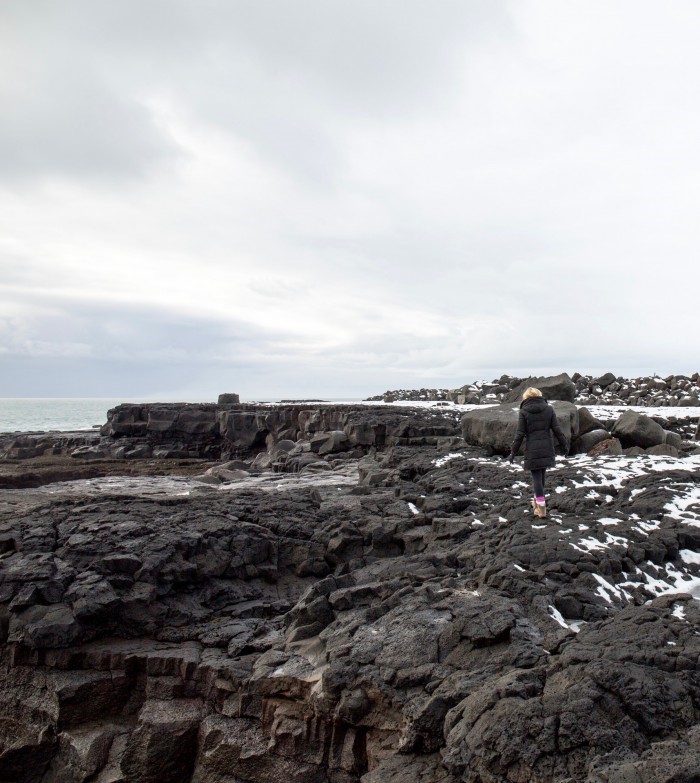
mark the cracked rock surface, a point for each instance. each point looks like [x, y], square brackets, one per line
[399, 618]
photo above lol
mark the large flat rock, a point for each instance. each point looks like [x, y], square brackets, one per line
[495, 427]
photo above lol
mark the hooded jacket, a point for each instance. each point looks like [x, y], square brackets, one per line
[536, 419]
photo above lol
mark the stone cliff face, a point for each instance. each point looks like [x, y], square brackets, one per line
[398, 617]
[238, 430]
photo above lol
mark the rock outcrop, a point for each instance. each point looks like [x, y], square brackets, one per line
[494, 427]
[213, 431]
[420, 625]
[647, 391]
[636, 429]
[556, 387]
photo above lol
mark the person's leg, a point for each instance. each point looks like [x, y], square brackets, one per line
[538, 486]
[538, 483]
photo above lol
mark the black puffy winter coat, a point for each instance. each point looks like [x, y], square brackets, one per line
[536, 422]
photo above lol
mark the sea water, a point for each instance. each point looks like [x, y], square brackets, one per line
[36, 414]
[44, 414]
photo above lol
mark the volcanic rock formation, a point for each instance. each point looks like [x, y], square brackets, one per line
[398, 616]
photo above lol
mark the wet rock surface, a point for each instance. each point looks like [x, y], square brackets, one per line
[398, 615]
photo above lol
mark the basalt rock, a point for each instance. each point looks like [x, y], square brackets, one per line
[584, 443]
[398, 619]
[228, 398]
[636, 429]
[556, 387]
[494, 428]
[206, 431]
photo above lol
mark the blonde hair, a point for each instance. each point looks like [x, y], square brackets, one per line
[531, 391]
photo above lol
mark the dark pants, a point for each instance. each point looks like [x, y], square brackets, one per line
[538, 481]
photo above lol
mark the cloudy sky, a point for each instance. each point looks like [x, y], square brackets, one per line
[334, 197]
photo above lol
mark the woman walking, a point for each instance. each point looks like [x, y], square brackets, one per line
[537, 418]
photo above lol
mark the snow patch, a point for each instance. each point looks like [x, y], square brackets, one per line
[557, 616]
[440, 461]
[605, 589]
[679, 611]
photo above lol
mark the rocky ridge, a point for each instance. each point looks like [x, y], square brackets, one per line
[607, 389]
[355, 596]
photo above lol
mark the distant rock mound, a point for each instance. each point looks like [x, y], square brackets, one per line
[607, 389]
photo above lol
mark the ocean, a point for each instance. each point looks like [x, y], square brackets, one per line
[36, 414]
[31, 414]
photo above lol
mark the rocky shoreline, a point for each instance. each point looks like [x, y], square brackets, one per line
[349, 594]
[607, 389]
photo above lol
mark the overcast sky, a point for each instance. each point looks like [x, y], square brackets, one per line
[338, 197]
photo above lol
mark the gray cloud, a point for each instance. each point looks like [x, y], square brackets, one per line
[323, 197]
[284, 76]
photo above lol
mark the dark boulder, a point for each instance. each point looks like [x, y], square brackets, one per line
[584, 443]
[605, 380]
[553, 387]
[329, 442]
[587, 422]
[662, 450]
[611, 447]
[636, 429]
[494, 427]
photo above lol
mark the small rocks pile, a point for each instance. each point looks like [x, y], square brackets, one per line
[412, 395]
[608, 389]
[673, 390]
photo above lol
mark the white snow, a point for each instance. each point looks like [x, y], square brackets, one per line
[614, 471]
[440, 461]
[679, 611]
[645, 527]
[688, 556]
[605, 589]
[676, 581]
[556, 615]
[682, 506]
[413, 508]
[591, 544]
[606, 412]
